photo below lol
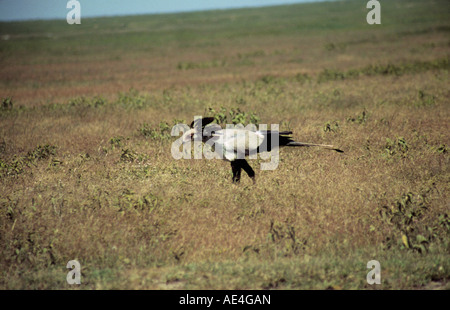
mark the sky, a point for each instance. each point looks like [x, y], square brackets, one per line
[11, 10]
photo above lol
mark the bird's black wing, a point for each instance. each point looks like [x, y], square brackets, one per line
[270, 138]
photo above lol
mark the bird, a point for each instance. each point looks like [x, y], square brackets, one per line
[235, 144]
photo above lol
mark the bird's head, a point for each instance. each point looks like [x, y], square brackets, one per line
[196, 131]
[188, 136]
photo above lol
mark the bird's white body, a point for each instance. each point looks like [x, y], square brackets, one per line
[233, 144]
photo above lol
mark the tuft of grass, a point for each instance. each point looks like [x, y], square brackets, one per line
[233, 115]
[332, 126]
[94, 102]
[396, 147]
[358, 119]
[132, 99]
[116, 142]
[161, 132]
[7, 103]
[41, 152]
[425, 99]
[17, 164]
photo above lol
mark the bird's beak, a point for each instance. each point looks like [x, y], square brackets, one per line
[188, 136]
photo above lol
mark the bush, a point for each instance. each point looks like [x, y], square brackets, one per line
[161, 132]
[234, 116]
[7, 103]
[411, 231]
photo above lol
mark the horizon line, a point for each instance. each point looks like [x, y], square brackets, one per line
[88, 16]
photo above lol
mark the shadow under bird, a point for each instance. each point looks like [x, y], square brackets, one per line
[235, 144]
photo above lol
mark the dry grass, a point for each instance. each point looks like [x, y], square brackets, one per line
[114, 198]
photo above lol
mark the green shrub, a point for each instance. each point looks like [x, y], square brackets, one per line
[359, 119]
[132, 100]
[116, 141]
[411, 231]
[161, 132]
[234, 116]
[399, 147]
[7, 103]
[330, 75]
[93, 102]
[17, 165]
[41, 152]
[384, 69]
[332, 126]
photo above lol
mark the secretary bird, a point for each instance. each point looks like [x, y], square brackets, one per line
[233, 144]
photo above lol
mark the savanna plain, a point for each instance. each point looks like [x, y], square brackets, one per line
[87, 174]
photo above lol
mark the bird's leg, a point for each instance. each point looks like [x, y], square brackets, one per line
[236, 168]
[247, 168]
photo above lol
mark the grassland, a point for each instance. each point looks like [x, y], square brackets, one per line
[86, 171]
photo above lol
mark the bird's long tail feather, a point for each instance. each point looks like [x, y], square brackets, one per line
[329, 147]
